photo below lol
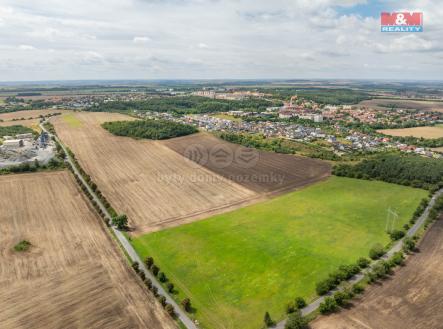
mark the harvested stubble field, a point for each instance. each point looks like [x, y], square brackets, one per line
[411, 299]
[259, 171]
[385, 103]
[153, 185]
[73, 276]
[425, 132]
[8, 118]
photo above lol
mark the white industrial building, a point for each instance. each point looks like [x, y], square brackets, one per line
[13, 143]
[24, 136]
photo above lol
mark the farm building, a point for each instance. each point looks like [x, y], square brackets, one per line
[24, 136]
[13, 143]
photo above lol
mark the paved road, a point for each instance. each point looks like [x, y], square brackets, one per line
[125, 243]
[357, 278]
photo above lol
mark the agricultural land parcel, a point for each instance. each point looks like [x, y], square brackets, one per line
[237, 265]
[73, 275]
[153, 185]
[136, 175]
[385, 103]
[411, 299]
[419, 132]
[24, 117]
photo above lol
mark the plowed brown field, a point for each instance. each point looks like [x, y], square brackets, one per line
[155, 186]
[73, 276]
[259, 171]
[411, 299]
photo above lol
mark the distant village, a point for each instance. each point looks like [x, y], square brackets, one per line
[330, 122]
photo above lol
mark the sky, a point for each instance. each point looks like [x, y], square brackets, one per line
[215, 39]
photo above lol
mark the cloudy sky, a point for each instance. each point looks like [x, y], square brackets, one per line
[193, 39]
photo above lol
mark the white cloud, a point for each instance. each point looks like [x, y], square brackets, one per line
[407, 43]
[234, 39]
[26, 47]
[141, 39]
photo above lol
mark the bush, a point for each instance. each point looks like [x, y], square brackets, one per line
[341, 297]
[296, 321]
[120, 221]
[142, 275]
[357, 289]
[329, 305]
[376, 251]
[154, 290]
[170, 287]
[267, 320]
[300, 303]
[22, 246]
[323, 287]
[170, 309]
[397, 259]
[148, 283]
[149, 261]
[162, 277]
[136, 267]
[162, 300]
[186, 304]
[408, 244]
[363, 262]
[290, 308]
[348, 271]
[396, 235]
[155, 270]
[380, 270]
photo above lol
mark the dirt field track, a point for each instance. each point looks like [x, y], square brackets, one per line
[412, 299]
[26, 115]
[153, 185]
[425, 132]
[73, 276]
[259, 171]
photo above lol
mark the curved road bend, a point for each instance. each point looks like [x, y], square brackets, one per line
[125, 243]
[357, 278]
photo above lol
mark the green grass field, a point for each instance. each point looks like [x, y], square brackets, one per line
[238, 265]
[72, 120]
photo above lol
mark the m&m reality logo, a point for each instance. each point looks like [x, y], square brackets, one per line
[402, 22]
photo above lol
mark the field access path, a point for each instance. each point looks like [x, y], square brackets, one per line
[182, 316]
[395, 248]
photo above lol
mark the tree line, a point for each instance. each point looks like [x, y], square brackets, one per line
[14, 130]
[279, 145]
[183, 105]
[409, 170]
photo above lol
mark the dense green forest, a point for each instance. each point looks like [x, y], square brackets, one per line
[323, 95]
[405, 170]
[183, 105]
[279, 145]
[14, 130]
[150, 129]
